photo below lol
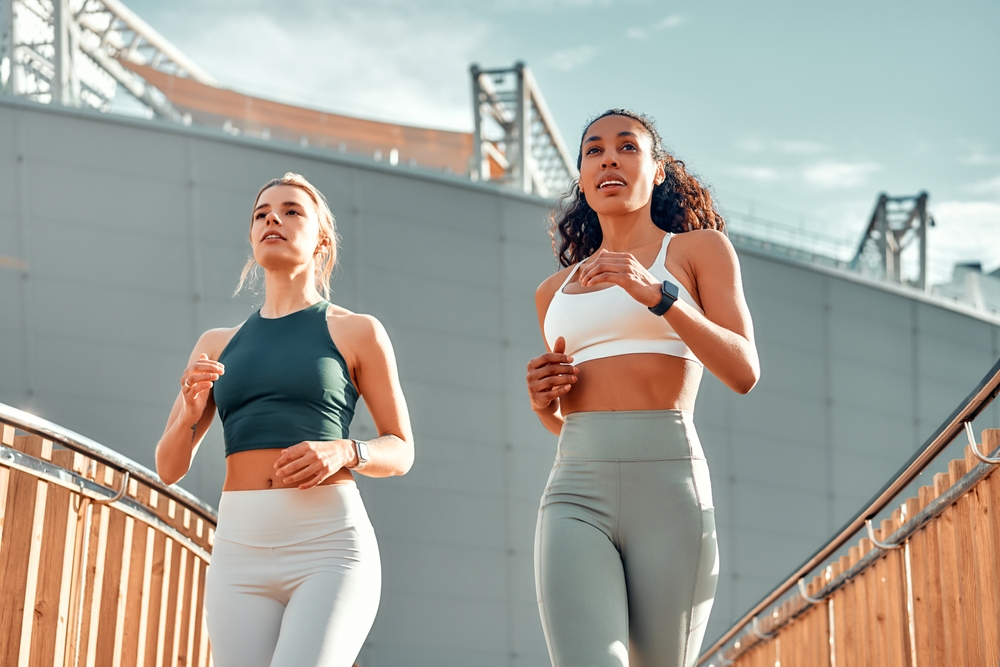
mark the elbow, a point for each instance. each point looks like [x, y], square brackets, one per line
[406, 461]
[744, 384]
[167, 473]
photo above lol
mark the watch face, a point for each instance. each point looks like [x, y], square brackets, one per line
[363, 451]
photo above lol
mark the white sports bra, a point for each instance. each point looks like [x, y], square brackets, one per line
[609, 322]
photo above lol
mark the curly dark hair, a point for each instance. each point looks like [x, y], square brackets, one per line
[680, 203]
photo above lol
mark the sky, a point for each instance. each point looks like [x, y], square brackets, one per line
[795, 113]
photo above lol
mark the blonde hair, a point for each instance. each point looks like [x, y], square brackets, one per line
[327, 230]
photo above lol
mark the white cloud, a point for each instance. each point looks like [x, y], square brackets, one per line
[800, 147]
[400, 66]
[989, 186]
[751, 145]
[980, 155]
[636, 33]
[759, 174]
[671, 21]
[964, 231]
[834, 175]
[565, 60]
[786, 147]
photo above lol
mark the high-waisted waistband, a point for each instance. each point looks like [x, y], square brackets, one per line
[630, 435]
[279, 517]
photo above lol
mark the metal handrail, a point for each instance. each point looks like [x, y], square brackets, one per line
[80, 443]
[969, 409]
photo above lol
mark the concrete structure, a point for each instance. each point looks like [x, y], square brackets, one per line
[121, 241]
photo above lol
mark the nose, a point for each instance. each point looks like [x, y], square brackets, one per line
[272, 218]
[609, 161]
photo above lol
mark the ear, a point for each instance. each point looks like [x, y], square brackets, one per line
[661, 173]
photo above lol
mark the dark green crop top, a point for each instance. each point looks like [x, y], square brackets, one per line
[285, 382]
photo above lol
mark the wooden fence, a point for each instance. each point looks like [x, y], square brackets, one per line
[929, 596]
[100, 565]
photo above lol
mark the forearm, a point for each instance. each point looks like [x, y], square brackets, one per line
[176, 448]
[389, 456]
[729, 356]
[551, 417]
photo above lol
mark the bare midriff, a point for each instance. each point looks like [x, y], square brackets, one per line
[253, 470]
[633, 382]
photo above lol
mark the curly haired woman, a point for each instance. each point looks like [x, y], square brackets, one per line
[626, 559]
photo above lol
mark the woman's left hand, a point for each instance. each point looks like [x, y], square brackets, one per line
[622, 269]
[309, 463]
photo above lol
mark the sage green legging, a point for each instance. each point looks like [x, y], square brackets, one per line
[626, 559]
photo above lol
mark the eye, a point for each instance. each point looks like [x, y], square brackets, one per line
[592, 150]
[629, 146]
[292, 211]
[259, 215]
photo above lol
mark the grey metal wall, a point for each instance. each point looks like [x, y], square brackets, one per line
[123, 240]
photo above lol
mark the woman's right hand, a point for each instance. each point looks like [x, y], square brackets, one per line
[550, 376]
[196, 383]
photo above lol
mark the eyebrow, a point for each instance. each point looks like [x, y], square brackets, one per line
[287, 203]
[625, 133]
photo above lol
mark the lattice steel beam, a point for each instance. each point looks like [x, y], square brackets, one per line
[76, 52]
[516, 140]
[896, 223]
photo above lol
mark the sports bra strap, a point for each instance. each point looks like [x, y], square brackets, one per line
[569, 277]
[661, 259]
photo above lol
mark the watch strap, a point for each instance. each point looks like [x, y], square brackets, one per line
[669, 293]
[361, 449]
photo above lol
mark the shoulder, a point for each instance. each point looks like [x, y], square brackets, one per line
[214, 341]
[545, 291]
[358, 327]
[703, 243]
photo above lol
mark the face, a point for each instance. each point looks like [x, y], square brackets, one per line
[285, 231]
[617, 170]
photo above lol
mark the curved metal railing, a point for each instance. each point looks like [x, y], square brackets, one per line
[953, 563]
[102, 563]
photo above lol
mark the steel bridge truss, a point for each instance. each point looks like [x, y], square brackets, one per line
[896, 224]
[516, 141]
[77, 52]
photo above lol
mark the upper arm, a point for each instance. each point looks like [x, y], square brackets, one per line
[543, 297]
[716, 271]
[378, 378]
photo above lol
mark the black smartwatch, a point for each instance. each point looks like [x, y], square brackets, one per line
[668, 294]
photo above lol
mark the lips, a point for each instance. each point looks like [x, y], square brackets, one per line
[273, 236]
[611, 182]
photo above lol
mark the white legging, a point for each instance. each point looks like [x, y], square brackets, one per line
[295, 578]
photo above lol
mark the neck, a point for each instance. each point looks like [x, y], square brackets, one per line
[629, 230]
[286, 293]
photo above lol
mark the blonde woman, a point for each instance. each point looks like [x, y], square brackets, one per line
[295, 577]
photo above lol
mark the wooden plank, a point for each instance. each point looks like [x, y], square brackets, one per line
[31, 575]
[838, 652]
[918, 582]
[954, 644]
[934, 631]
[897, 636]
[987, 531]
[968, 596]
[181, 607]
[4, 485]
[148, 602]
[112, 604]
[165, 604]
[191, 617]
[48, 639]
[22, 491]
[124, 581]
[67, 622]
[140, 566]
